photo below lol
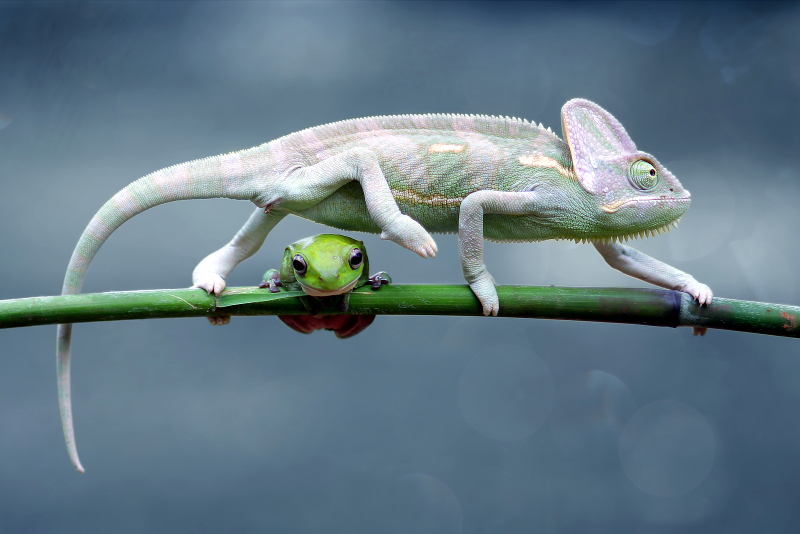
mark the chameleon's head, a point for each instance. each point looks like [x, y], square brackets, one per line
[634, 193]
[327, 264]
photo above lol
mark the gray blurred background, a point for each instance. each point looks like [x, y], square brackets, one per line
[418, 424]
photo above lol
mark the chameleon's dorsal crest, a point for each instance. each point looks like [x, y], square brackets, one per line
[593, 135]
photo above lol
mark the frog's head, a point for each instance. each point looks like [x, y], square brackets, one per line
[327, 264]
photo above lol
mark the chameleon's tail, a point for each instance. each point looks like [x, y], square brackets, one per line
[218, 177]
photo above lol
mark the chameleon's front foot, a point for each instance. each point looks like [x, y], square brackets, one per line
[484, 289]
[699, 292]
[703, 295]
[408, 233]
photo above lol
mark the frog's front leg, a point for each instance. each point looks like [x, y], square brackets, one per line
[311, 304]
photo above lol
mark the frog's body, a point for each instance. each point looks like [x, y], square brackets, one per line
[326, 267]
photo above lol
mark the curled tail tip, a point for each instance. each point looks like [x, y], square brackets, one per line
[76, 463]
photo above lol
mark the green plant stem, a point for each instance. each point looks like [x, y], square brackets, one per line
[653, 307]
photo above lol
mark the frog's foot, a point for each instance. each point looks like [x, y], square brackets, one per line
[343, 326]
[354, 325]
[219, 319]
[299, 323]
[379, 279]
[408, 233]
[272, 279]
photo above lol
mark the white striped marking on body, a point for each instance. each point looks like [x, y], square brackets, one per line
[444, 147]
[537, 160]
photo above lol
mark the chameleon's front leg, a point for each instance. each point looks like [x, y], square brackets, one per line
[639, 265]
[648, 269]
[470, 237]
[306, 186]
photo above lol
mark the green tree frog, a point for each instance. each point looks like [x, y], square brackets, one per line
[326, 267]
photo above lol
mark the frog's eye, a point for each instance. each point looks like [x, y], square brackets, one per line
[356, 257]
[299, 265]
[643, 175]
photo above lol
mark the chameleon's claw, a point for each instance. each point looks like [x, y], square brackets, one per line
[487, 295]
[212, 284]
[699, 292]
[410, 234]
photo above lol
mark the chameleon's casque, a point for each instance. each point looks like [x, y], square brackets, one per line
[407, 176]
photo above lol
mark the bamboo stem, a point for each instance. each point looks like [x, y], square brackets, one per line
[655, 307]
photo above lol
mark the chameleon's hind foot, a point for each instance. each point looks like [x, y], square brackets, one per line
[408, 233]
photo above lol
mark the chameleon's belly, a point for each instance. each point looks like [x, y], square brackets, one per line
[347, 210]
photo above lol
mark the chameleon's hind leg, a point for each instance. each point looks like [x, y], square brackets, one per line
[211, 272]
[304, 187]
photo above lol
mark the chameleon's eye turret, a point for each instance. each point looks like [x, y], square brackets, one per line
[643, 175]
[299, 265]
[356, 258]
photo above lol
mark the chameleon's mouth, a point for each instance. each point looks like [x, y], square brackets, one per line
[308, 290]
[613, 207]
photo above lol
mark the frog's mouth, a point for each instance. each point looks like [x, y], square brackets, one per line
[308, 290]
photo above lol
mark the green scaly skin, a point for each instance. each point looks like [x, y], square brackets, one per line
[405, 176]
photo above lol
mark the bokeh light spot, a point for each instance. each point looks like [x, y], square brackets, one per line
[667, 448]
[506, 392]
[428, 506]
[649, 23]
[709, 221]
[589, 413]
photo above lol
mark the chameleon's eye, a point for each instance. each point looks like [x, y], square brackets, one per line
[299, 265]
[643, 175]
[356, 258]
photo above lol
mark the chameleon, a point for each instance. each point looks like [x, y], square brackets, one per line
[326, 267]
[407, 176]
